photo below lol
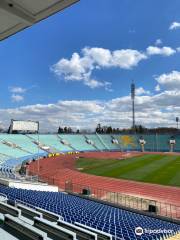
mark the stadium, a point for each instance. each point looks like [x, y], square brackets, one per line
[99, 186]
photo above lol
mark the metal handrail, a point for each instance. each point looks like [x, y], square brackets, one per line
[171, 211]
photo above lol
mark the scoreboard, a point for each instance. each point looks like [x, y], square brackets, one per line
[18, 125]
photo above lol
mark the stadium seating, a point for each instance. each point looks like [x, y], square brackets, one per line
[26, 148]
[157, 143]
[11, 152]
[7, 172]
[107, 140]
[177, 146]
[51, 141]
[3, 159]
[118, 222]
[97, 142]
[78, 142]
[22, 141]
[128, 142]
[150, 143]
[67, 145]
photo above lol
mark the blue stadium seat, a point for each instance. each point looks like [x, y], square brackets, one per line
[118, 222]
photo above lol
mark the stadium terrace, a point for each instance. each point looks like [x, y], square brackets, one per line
[109, 185]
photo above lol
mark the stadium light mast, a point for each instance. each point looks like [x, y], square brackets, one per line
[133, 107]
[177, 121]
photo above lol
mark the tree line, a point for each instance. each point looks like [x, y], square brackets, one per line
[100, 129]
[138, 129]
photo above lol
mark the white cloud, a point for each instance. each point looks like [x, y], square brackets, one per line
[158, 42]
[127, 58]
[169, 80]
[17, 89]
[164, 51]
[142, 91]
[17, 98]
[178, 49]
[151, 110]
[174, 25]
[157, 88]
[17, 93]
[124, 58]
[80, 68]
[100, 56]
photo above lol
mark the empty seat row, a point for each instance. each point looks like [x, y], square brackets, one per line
[28, 223]
[7, 172]
[119, 223]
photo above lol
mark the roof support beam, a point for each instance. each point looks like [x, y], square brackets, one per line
[16, 10]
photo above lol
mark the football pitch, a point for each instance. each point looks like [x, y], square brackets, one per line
[159, 169]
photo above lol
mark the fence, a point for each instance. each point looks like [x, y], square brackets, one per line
[5, 174]
[162, 209]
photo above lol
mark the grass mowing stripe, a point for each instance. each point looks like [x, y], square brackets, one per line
[133, 165]
[160, 169]
[86, 162]
[93, 163]
[161, 165]
[98, 170]
[153, 166]
[102, 170]
[165, 174]
[175, 181]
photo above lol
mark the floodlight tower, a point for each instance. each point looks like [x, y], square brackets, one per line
[133, 99]
[177, 121]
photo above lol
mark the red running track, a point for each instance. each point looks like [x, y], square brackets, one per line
[59, 169]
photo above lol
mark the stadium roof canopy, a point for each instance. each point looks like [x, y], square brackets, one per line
[16, 15]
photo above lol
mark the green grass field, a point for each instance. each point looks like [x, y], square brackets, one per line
[160, 169]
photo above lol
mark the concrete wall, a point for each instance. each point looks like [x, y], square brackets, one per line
[28, 185]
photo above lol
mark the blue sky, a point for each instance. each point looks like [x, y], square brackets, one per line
[113, 43]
